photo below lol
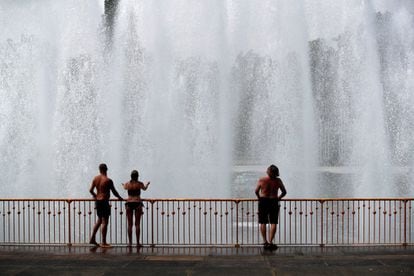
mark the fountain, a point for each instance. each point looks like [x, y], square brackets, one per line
[202, 96]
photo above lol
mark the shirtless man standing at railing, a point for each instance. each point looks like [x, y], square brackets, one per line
[267, 190]
[103, 185]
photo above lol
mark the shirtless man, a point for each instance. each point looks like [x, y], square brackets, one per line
[103, 186]
[267, 191]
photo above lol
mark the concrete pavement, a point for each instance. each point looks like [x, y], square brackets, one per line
[289, 260]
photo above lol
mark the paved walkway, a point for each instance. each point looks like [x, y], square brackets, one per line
[85, 260]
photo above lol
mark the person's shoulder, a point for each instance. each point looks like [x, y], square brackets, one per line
[264, 179]
[97, 178]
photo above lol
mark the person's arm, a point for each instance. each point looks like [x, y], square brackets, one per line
[92, 188]
[114, 191]
[145, 187]
[282, 189]
[257, 190]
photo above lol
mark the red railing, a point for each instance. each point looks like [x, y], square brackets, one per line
[212, 222]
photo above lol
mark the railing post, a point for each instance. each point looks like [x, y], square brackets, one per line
[69, 224]
[237, 245]
[322, 244]
[405, 223]
[152, 223]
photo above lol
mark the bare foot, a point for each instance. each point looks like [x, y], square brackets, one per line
[93, 241]
[105, 245]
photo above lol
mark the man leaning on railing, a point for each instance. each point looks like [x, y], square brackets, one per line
[267, 190]
[103, 185]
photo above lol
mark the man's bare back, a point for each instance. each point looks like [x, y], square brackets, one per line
[269, 188]
[103, 185]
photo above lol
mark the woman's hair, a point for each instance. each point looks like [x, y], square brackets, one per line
[134, 175]
[273, 171]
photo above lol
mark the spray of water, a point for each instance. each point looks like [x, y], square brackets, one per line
[202, 96]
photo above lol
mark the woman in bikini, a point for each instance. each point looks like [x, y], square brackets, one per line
[134, 204]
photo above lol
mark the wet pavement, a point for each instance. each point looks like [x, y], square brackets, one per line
[287, 260]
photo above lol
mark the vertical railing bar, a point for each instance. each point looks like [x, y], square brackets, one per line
[343, 222]
[190, 206]
[363, 218]
[178, 222]
[54, 220]
[300, 221]
[303, 225]
[221, 221]
[48, 214]
[216, 221]
[14, 221]
[346, 236]
[58, 222]
[337, 222]
[399, 222]
[18, 222]
[168, 222]
[8, 222]
[152, 222]
[385, 221]
[322, 241]
[196, 226]
[164, 218]
[327, 223]
[284, 221]
[237, 223]
[199, 221]
[38, 221]
[327, 228]
[210, 223]
[359, 221]
[374, 221]
[23, 221]
[44, 220]
[310, 212]
[395, 222]
[69, 224]
[33, 221]
[390, 221]
[353, 221]
[410, 221]
[157, 223]
[405, 223]
[290, 222]
[296, 222]
[4, 222]
[183, 230]
[226, 213]
[379, 221]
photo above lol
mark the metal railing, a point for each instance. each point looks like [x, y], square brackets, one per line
[212, 222]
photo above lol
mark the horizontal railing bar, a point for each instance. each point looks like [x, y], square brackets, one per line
[213, 199]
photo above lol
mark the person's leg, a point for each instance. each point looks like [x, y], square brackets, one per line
[273, 218]
[138, 213]
[104, 229]
[95, 229]
[129, 220]
[263, 232]
[262, 219]
[272, 232]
